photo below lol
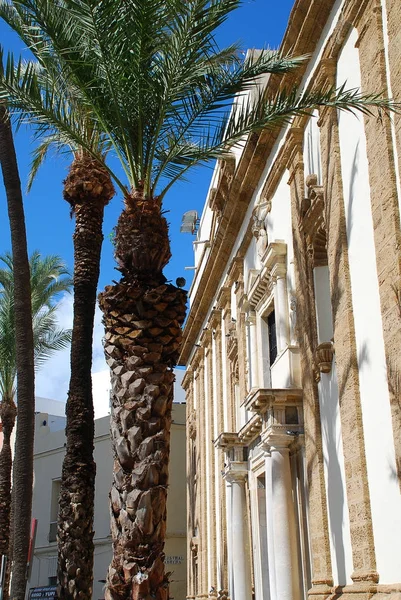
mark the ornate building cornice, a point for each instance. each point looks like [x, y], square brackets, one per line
[274, 263]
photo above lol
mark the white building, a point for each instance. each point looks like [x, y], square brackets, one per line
[292, 343]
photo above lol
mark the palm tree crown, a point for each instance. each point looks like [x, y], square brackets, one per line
[49, 278]
[146, 79]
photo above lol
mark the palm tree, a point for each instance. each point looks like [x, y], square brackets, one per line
[88, 189]
[24, 354]
[150, 75]
[48, 278]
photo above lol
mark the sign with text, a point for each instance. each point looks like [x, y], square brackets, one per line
[48, 592]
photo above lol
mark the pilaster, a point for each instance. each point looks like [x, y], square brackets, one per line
[363, 551]
[322, 578]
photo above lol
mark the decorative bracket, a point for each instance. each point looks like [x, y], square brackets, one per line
[323, 358]
[312, 222]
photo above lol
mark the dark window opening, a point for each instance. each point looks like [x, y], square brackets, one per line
[271, 324]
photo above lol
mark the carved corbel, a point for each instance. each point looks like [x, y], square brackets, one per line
[312, 222]
[323, 358]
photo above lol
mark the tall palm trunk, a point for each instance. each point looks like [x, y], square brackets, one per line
[8, 413]
[143, 317]
[88, 188]
[23, 473]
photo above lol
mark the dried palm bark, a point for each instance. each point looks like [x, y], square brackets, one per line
[143, 316]
[88, 189]
[8, 412]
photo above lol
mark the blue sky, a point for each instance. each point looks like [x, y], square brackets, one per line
[257, 24]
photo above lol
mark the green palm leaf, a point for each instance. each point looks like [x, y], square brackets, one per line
[50, 279]
[146, 81]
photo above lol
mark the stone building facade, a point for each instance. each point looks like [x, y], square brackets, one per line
[292, 343]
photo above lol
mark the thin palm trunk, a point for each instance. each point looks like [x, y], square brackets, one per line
[88, 188]
[7, 414]
[23, 479]
[143, 317]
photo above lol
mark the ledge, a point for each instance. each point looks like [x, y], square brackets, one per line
[261, 399]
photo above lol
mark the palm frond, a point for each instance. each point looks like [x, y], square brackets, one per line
[49, 278]
[145, 79]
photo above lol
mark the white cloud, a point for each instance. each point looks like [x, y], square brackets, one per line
[53, 378]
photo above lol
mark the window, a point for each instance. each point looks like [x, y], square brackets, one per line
[271, 324]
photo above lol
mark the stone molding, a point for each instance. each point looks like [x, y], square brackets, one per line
[260, 400]
[223, 298]
[274, 263]
[236, 472]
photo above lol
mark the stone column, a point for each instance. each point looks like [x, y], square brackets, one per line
[202, 591]
[230, 571]
[286, 559]
[209, 434]
[188, 385]
[240, 551]
[270, 520]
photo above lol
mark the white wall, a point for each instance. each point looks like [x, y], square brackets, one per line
[337, 503]
[311, 150]
[383, 483]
